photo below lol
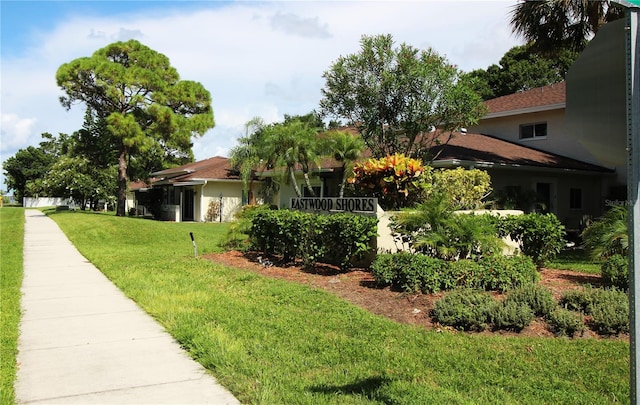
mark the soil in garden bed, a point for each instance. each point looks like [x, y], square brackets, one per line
[358, 287]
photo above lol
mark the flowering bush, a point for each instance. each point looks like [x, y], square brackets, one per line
[396, 180]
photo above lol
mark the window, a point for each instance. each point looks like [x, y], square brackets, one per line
[575, 198]
[531, 131]
[306, 193]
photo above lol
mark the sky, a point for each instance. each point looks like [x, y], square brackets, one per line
[256, 58]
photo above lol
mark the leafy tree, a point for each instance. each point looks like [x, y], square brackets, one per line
[25, 170]
[561, 24]
[393, 94]
[142, 100]
[521, 68]
[80, 179]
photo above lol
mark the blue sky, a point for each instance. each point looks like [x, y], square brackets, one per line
[257, 58]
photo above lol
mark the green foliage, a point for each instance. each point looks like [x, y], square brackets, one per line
[433, 229]
[346, 149]
[608, 308]
[237, 237]
[521, 69]
[610, 312]
[465, 309]
[608, 235]
[144, 104]
[11, 261]
[615, 272]
[464, 273]
[464, 188]
[25, 170]
[410, 273]
[541, 236]
[397, 181]
[502, 273]
[290, 144]
[339, 239]
[393, 94]
[563, 322]
[418, 272]
[537, 297]
[511, 315]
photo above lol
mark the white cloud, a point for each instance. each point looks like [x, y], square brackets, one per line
[256, 58]
[15, 131]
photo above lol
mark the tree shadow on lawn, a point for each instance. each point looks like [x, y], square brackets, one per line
[372, 388]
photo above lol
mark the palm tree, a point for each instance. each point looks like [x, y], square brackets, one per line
[289, 144]
[608, 235]
[346, 149]
[245, 157]
[557, 24]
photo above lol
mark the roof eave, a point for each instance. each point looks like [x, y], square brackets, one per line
[528, 110]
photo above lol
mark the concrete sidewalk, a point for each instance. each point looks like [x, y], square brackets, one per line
[83, 342]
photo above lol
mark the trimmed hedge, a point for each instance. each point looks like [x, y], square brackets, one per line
[340, 239]
[418, 272]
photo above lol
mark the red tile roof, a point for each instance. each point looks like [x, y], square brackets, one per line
[540, 97]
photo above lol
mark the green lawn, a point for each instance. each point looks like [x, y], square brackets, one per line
[11, 242]
[273, 342]
[576, 260]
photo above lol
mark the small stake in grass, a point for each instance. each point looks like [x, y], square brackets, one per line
[195, 247]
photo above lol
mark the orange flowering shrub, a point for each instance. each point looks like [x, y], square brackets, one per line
[396, 180]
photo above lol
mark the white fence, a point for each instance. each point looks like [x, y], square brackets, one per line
[39, 202]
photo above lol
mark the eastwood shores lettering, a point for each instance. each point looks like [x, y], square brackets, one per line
[336, 204]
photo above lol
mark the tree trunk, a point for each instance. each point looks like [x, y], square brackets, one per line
[122, 182]
[344, 180]
[292, 177]
[308, 183]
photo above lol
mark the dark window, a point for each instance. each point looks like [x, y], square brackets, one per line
[306, 193]
[575, 198]
[530, 131]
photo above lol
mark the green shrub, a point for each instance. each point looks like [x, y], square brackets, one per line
[563, 322]
[383, 269]
[577, 300]
[502, 273]
[511, 315]
[410, 272]
[609, 308]
[433, 229]
[610, 312]
[537, 297]
[338, 238]
[615, 272]
[237, 236]
[463, 273]
[608, 235]
[464, 309]
[540, 236]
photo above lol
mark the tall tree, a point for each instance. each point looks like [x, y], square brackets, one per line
[393, 94]
[142, 99]
[521, 68]
[561, 24]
